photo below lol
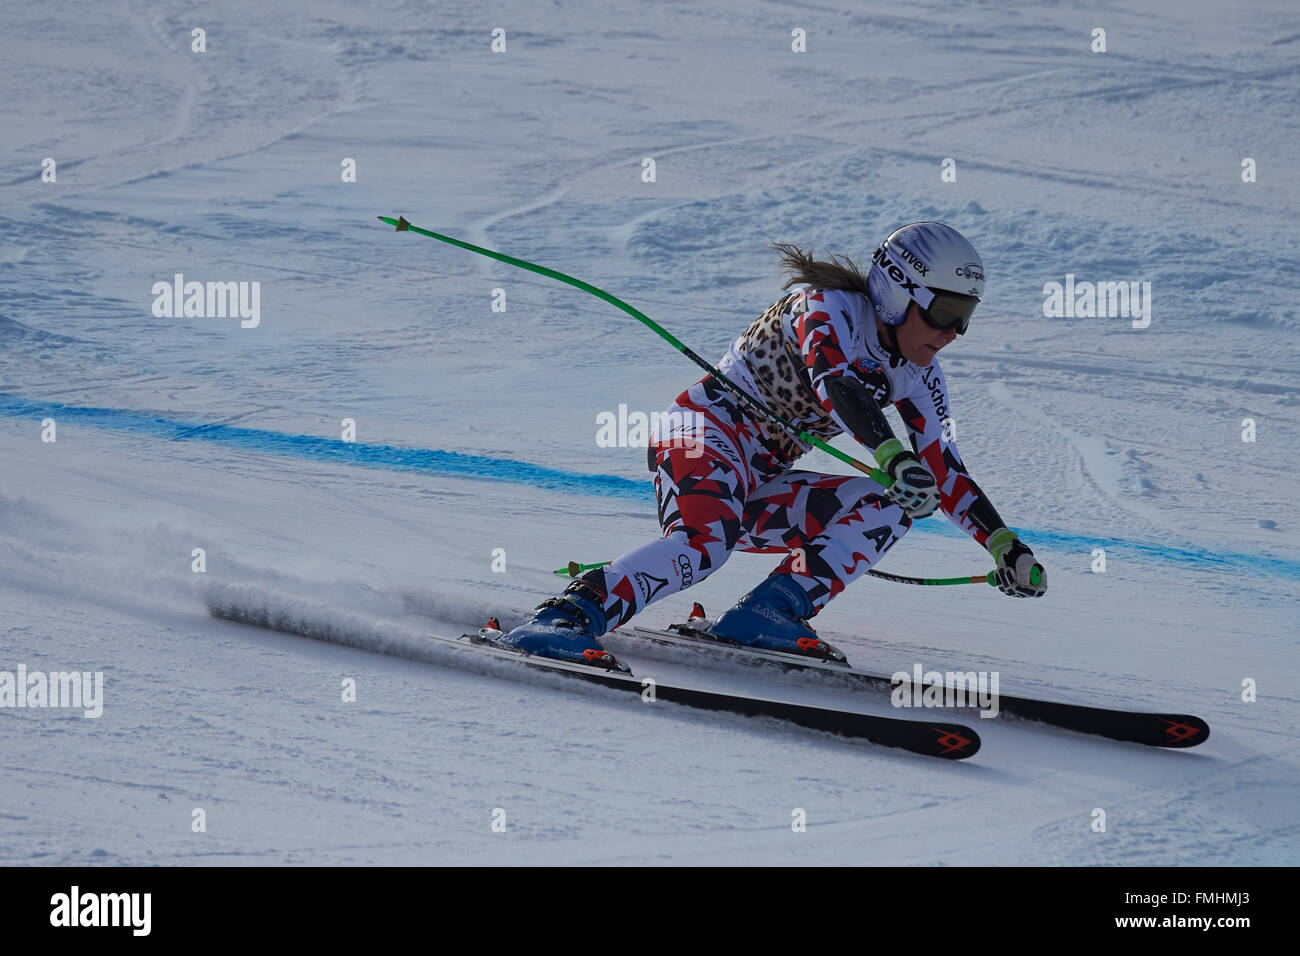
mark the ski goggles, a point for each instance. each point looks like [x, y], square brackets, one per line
[945, 311]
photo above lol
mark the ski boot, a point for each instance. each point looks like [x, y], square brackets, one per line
[774, 617]
[566, 628]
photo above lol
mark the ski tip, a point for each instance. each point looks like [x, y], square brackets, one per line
[494, 624]
[697, 611]
[954, 742]
[1183, 730]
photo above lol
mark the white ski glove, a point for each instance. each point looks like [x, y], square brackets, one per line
[1017, 573]
[914, 489]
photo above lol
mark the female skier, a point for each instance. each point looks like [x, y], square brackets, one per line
[826, 357]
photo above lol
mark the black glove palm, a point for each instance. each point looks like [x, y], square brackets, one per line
[1018, 574]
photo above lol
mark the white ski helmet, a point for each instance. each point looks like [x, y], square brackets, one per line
[932, 265]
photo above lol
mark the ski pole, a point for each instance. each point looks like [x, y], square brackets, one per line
[401, 225]
[1035, 576]
[573, 569]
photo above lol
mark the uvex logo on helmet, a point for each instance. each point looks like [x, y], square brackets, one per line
[917, 264]
[880, 258]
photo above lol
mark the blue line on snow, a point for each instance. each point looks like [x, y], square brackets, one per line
[458, 465]
[424, 460]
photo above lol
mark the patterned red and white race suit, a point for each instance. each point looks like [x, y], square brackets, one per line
[723, 476]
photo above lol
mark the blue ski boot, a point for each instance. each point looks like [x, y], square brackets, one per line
[565, 628]
[774, 617]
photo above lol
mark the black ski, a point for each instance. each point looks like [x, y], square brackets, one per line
[932, 738]
[1152, 729]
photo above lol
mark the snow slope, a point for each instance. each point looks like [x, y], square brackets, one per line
[476, 430]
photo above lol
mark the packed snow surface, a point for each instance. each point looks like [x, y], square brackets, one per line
[475, 468]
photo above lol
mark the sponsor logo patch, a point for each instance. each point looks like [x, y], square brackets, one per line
[685, 570]
[649, 585]
[935, 385]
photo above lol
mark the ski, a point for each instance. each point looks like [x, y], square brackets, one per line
[1151, 729]
[931, 738]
